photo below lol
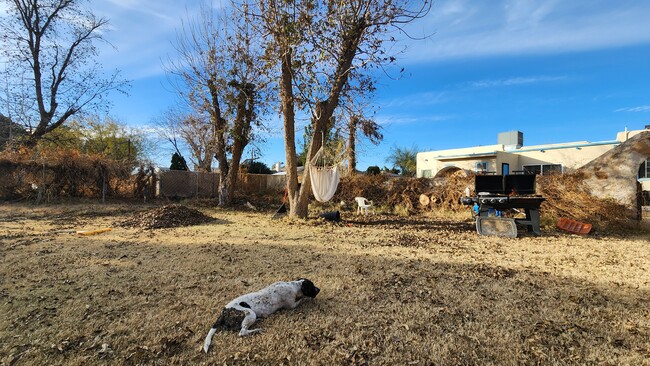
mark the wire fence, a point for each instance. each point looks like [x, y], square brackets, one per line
[41, 178]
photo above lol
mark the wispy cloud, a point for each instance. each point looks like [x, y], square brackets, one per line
[141, 33]
[145, 7]
[419, 99]
[385, 120]
[643, 108]
[465, 28]
[515, 81]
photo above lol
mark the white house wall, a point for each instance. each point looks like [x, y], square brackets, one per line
[430, 160]
[570, 158]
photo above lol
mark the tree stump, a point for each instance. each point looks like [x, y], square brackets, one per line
[424, 200]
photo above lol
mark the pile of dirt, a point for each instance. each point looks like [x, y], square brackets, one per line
[167, 217]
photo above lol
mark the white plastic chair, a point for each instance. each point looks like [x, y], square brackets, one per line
[363, 205]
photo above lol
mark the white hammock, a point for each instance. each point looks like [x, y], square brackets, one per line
[324, 179]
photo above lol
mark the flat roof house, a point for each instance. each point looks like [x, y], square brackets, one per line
[510, 156]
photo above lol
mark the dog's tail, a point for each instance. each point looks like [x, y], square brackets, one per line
[208, 339]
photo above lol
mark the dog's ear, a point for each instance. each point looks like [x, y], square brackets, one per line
[308, 288]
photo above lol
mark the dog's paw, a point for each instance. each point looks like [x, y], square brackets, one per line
[247, 332]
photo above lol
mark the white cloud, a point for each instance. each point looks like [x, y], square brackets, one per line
[140, 34]
[386, 120]
[643, 108]
[515, 81]
[489, 28]
[414, 100]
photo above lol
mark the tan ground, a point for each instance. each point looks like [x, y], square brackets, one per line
[394, 291]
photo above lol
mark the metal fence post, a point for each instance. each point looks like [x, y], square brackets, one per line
[103, 186]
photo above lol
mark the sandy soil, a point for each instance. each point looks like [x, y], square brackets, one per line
[418, 290]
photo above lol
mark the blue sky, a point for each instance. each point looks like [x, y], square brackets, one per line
[559, 71]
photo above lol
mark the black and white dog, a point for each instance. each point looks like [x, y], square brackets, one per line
[242, 312]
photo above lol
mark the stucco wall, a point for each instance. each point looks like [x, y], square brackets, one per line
[429, 160]
[570, 158]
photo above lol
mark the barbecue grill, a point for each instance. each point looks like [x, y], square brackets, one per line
[502, 192]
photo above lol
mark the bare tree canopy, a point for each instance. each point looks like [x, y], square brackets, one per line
[218, 75]
[50, 47]
[321, 48]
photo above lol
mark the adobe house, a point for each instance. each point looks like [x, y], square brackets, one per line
[625, 159]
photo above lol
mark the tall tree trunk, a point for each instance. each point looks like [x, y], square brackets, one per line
[352, 144]
[299, 198]
[288, 112]
[220, 128]
[223, 190]
[240, 132]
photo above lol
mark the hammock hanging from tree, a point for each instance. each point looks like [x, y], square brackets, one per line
[324, 178]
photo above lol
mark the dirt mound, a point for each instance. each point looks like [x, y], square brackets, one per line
[166, 217]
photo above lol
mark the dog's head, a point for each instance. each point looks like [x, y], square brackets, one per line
[308, 288]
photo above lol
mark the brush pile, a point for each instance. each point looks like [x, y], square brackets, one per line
[412, 194]
[168, 216]
[566, 196]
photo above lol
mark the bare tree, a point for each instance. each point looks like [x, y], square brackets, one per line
[368, 128]
[319, 46]
[50, 45]
[220, 78]
[168, 128]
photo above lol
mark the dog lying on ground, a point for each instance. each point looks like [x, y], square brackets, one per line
[243, 311]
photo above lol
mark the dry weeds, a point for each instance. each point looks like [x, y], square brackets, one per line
[419, 290]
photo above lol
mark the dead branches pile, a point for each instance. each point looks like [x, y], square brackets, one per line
[412, 194]
[568, 196]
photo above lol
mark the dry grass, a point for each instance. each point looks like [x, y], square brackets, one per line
[418, 290]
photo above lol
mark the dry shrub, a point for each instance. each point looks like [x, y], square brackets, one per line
[568, 196]
[361, 185]
[383, 190]
[53, 174]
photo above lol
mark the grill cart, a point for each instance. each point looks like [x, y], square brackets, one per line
[496, 193]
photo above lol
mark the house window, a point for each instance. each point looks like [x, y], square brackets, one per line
[426, 173]
[481, 167]
[543, 169]
[644, 170]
